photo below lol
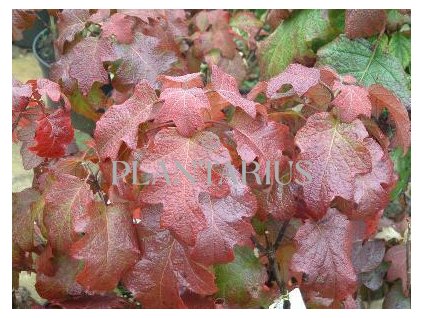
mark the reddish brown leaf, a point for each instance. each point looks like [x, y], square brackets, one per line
[86, 62]
[70, 22]
[280, 201]
[247, 22]
[142, 60]
[49, 88]
[21, 94]
[186, 81]
[62, 283]
[227, 87]
[67, 200]
[166, 269]
[227, 224]
[301, 79]
[108, 248]
[260, 139]
[335, 153]
[120, 123]
[24, 214]
[92, 302]
[204, 19]
[143, 14]
[372, 190]
[214, 33]
[352, 101]
[234, 67]
[21, 20]
[121, 26]
[397, 255]
[323, 256]
[276, 16]
[364, 23]
[60, 73]
[382, 98]
[52, 135]
[182, 213]
[186, 107]
[366, 257]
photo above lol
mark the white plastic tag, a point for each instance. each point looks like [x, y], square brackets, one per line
[295, 299]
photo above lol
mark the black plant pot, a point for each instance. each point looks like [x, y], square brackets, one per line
[43, 50]
[37, 46]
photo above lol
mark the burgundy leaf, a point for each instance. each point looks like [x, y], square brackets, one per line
[335, 153]
[166, 269]
[120, 123]
[323, 256]
[108, 248]
[227, 87]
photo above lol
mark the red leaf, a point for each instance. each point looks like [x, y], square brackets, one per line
[67, 200]
[352, 101]
[227, 224]
[323, 256]
[120, 123]
[142, 60]
[227, 87]
[182, 213]
[52, 135]
[382, 98]
[70, 22]
[335, 154]
[120, 25]
[364, 23]
[301, 79]
[397, 255]
[186, 107]
[166, 269]
[86, 62]
[108, 248]
[261, 139]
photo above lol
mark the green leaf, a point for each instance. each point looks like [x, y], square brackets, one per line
[396, 19]
[400, 46]
[294, 39]
[402, 165]
[395, 299]
[240, 281]
[369, 64]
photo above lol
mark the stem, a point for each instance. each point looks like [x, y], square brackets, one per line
[222, 123]
[94, 178]
[280, 235]
[273, 268]
[372, 56]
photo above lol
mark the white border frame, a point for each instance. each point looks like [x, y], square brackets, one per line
[6, 162]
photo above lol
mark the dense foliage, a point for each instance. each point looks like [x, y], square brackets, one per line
[232, 88]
